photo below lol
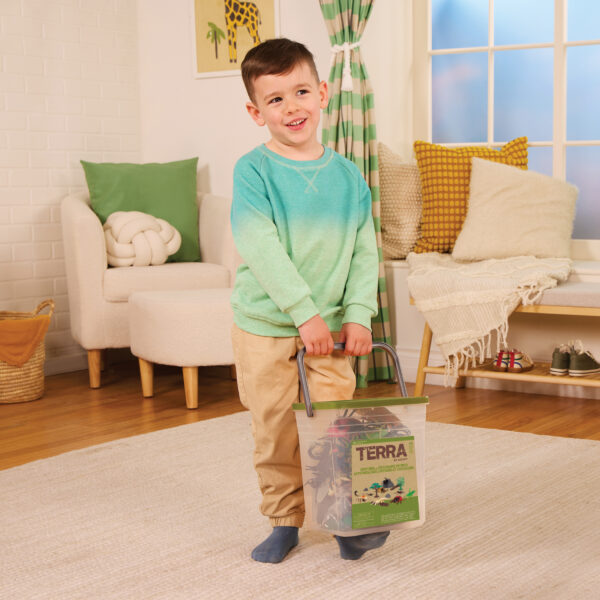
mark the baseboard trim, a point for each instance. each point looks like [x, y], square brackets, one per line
[67, 363]
[76, 360]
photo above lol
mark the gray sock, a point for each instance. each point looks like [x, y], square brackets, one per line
[352, 548]
[276, 547]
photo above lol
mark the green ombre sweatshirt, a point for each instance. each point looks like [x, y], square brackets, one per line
[305, 233]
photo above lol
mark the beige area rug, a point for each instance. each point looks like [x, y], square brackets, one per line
[173, 514]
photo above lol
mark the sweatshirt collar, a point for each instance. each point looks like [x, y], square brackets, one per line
[298, 164]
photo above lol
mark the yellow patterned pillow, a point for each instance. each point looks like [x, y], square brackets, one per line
[445, 175]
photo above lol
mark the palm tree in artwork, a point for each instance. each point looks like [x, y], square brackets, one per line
[215, 35]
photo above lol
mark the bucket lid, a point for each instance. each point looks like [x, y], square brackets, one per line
[362, 403]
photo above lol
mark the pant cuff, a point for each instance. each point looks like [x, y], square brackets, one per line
[295, 520]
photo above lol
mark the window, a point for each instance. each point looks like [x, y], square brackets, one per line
[499, 69]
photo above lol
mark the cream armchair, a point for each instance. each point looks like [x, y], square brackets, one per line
[98, 295]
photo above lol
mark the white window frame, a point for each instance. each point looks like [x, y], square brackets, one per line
[422, 97]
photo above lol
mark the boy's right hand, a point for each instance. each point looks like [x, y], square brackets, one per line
[316, 337]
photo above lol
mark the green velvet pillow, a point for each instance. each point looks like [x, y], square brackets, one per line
[164, 190]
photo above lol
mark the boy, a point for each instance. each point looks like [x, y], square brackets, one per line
[301, 219]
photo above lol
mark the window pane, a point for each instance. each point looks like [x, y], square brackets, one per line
[518, 22]
[583, 93]
[459, 102]
[540, 159]
[459, 23]
[523, 92]
[583, 20]
[582, 170]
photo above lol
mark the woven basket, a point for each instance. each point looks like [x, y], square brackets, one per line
[24, 383]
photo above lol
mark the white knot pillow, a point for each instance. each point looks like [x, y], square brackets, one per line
[138, 239]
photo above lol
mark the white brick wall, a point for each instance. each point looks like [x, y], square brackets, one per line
[68, 90]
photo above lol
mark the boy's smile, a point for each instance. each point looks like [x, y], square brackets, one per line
[290, 105]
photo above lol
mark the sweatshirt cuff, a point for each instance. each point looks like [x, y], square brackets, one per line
[356, 313]
[303, 311]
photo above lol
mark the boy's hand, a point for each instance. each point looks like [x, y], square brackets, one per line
[316, 337]
[358, 339]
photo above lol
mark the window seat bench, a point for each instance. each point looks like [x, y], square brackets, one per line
[573, 298]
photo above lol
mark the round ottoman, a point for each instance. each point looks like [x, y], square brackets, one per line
[189, 329]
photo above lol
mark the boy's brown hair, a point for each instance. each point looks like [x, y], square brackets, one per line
[274, 57]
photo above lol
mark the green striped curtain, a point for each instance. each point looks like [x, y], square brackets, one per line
[349, 128]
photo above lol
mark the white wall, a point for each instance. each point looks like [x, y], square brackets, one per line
[388, 53]
[183, 116]
[68, 90]
[112, 80]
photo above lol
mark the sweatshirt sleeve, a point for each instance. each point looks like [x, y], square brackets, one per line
[360, 297]
[258, 243]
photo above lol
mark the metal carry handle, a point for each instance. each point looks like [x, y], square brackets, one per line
[340, 346]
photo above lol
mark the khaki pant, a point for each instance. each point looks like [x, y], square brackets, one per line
[268, 383]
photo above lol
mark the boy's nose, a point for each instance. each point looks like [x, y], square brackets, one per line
[290, 107]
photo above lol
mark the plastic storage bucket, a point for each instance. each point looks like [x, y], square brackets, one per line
[363, 461]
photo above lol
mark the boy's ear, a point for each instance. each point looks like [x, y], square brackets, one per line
[324, 94]
[255, 113]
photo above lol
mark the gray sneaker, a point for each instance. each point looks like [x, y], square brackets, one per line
[582, 363]
[561, 358]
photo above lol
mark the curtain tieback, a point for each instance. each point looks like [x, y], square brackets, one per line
[346, 47]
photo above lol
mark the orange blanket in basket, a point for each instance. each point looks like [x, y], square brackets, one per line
[20, 337]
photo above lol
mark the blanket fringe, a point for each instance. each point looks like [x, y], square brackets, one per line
[476, 353]
[467, 304]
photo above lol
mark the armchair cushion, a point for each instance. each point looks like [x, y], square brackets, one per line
[166, 191]
[121, 282]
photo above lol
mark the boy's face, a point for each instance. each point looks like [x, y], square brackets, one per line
[290, 106]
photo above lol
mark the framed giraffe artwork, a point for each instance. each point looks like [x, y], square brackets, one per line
[224, 30]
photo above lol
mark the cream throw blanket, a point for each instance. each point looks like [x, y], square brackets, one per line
[465, 303]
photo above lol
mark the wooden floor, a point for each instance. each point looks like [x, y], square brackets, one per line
[72, 416]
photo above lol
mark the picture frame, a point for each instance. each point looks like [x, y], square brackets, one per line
[224, 30]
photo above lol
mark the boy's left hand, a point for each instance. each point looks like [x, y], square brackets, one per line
[358, 339]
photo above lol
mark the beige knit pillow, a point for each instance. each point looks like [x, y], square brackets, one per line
[400, 193]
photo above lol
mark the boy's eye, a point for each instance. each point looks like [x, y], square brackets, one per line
[302, 92]
[274, 100]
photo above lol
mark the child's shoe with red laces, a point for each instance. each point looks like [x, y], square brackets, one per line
[501, 361]
[519, 362]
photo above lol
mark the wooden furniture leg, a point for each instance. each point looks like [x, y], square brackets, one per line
[423, 359]
[94, 362]
[147, 377]
[190, 385]
[460, 383]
